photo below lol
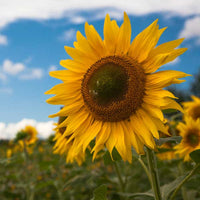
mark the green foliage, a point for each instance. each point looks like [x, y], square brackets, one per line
[195, 155]
[21, 135]
[175, 139]
[167, 189]
[44, 175]
[100, 193]
[115, 157]
[195, 86]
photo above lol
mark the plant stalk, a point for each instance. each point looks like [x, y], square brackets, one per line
[155, 184]
[184, 180]
[145, 168]
[119, 177]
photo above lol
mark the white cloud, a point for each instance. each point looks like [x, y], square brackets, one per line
[3, 77]
[78, 19]
[3, 40]
[31, 74]
[52, 68]
[8, 131]
[68, 35]
[191, 29]
[12, 68]
[175, 61]
[53, 9]
[6, 91]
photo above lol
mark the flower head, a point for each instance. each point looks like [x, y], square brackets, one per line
[111, 90]
[28, 134]
[63, 146]
[192, 108]
[190, 132]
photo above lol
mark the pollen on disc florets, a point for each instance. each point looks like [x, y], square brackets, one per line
[113, 88]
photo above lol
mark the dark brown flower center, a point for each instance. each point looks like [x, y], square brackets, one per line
[60, 120]
[195, 112]
[113, 88]
[193, 137]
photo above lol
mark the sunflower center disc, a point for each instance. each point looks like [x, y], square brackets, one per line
[195, 112]
[113, 88]
[193, 138]
[108, 84]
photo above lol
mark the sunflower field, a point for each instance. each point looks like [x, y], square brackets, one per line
[122, 133]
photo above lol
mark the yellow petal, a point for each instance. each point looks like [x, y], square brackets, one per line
[94, 40]
[149, 123]
[166, 47]
[163, 79]
[171, 104]
[141, 131]
[74, 66]
[84, 46]
[111, 31]
[124, 37]
[111, 142]
[160, 125]
[66, 75]
[79, 56]
[153, 111]
[141, 40]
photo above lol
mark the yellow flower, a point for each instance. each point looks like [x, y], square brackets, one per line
[40, 149]
[9, 153]
[190, 132]
[31, 135]
[192, 108]
[111, 90]
[169, 154]
[63, 146]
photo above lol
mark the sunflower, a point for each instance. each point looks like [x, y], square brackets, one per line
[192, 108]
[169, 152]
[62, 146]
[9, 153]
[190, 132]
[28, 134]
[111, 91]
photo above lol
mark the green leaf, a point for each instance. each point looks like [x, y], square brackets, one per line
[195, 155]
[100, 193]
[107, 158]
[131, 195]
[167, 189]
[44, 184]
[169, 111]
[116, 156]
[175, 139]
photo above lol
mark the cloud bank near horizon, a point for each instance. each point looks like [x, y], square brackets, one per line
[8, 131]
[12, 11]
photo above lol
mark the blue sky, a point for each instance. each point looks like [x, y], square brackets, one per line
[32, 43]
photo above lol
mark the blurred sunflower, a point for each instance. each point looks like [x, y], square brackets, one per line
[190, 132]
[169, 152]
[9, 153]
[20, 147]
[111, 90]
[192, 108]
[28, 134]
[62, 146]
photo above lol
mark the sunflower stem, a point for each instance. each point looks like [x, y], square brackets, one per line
[144, 167]
[153, 174]
[25, 151]
[121, 182]
[184, 181]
